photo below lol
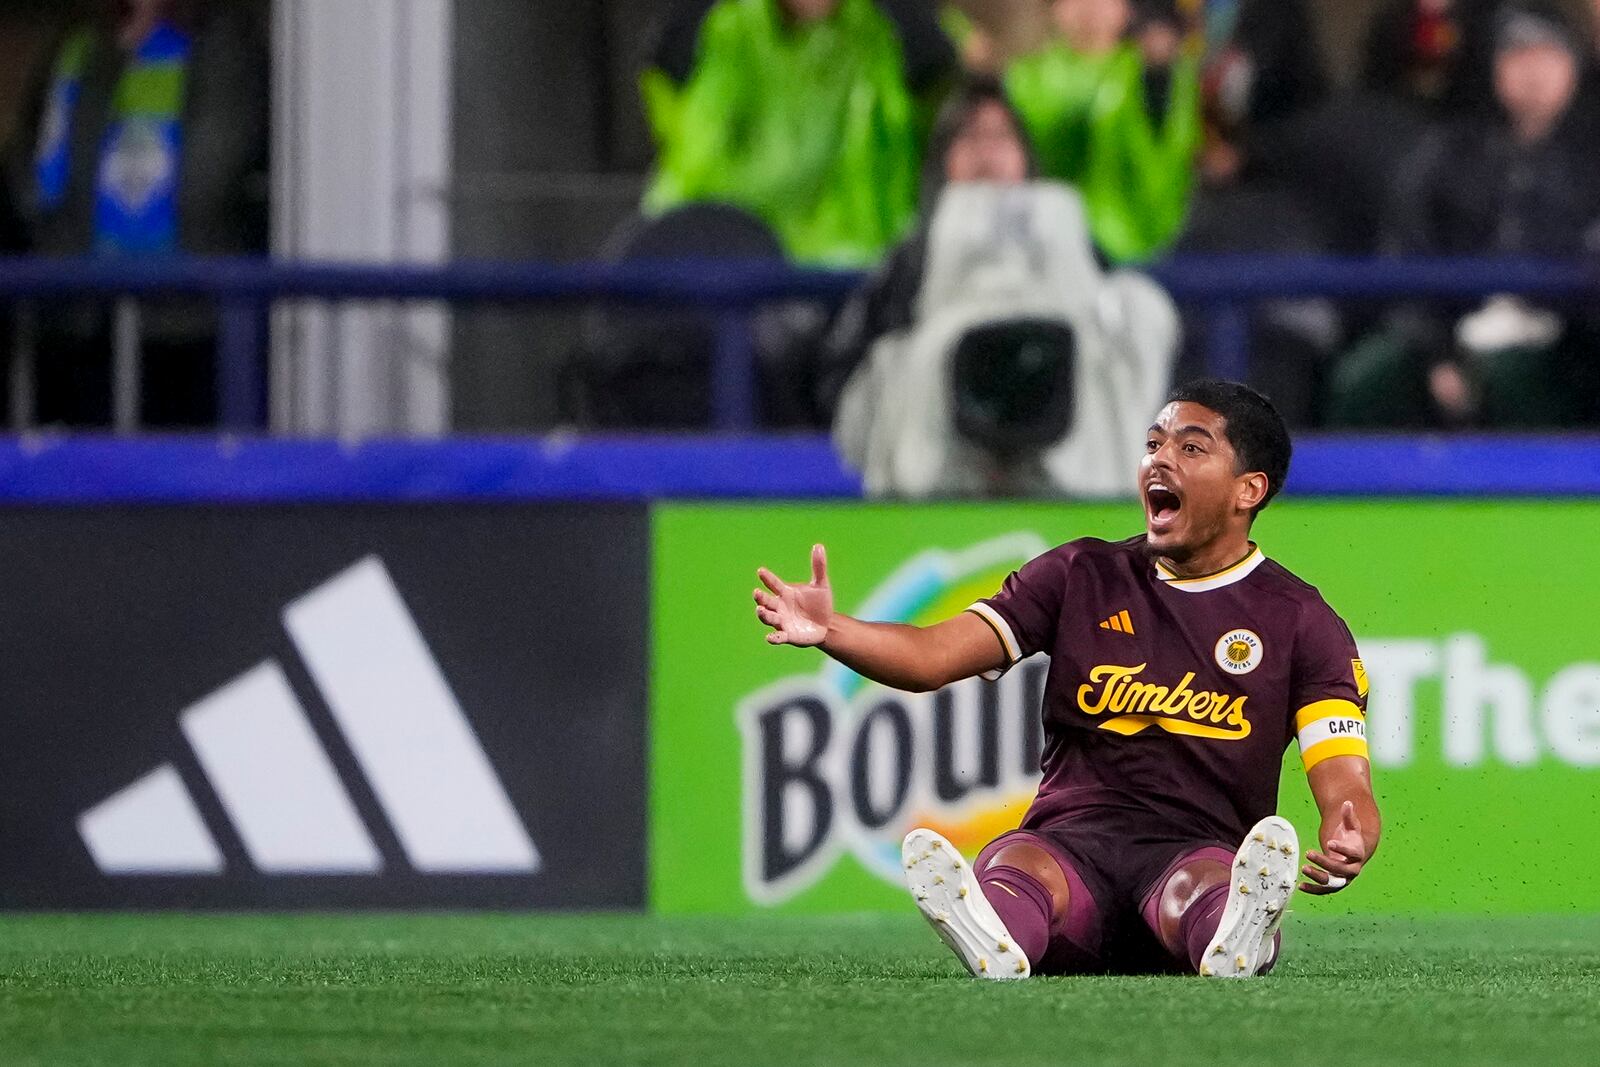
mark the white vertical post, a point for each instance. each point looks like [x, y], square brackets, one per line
[362, 173]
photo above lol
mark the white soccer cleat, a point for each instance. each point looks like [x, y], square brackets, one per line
[1262, 879]
[948, 895]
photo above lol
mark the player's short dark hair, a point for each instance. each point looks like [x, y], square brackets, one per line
[1251, 424]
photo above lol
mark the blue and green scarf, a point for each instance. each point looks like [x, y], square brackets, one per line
[136, 179]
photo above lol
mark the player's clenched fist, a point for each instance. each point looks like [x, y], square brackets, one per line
[798, 614]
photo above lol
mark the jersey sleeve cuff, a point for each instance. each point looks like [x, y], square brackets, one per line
[1002, 630]
[1329, 728]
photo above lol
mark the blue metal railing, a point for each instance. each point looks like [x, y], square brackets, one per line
[89, 469]
[243, 289]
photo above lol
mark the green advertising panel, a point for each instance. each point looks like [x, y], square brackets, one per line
[783, 781]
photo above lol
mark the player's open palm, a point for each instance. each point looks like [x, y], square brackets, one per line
[798, 614]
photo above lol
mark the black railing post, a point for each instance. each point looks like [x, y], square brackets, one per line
[1228, 341]
[240, 379]
[23, 369]
[733, 374]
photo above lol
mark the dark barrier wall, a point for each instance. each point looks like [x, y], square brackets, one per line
[320, 706]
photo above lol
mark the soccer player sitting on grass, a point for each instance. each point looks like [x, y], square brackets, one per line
[1182, 663]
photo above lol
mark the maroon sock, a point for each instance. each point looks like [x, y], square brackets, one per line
[1200, 922]
[1023, 904]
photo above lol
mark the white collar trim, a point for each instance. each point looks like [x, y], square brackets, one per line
[1236, 573]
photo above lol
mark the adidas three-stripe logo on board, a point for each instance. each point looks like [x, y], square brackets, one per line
[277, 786]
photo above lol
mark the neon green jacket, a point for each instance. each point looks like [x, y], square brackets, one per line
[1092, 127]
[1054, 90]
[813, 129]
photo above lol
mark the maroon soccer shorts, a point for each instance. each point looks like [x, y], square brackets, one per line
[1115, 871]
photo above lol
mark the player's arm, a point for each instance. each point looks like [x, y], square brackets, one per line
[912, 658]
[1351, 826]
[1329, 689]
[917, 659]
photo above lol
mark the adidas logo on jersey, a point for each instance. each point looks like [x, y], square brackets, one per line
[257, 749]
[1121, 622]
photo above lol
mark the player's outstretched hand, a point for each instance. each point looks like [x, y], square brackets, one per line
[798, 614]
[1341, 858]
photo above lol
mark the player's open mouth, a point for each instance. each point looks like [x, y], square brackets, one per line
[1162, 503]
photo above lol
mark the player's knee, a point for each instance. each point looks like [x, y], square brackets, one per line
[1039, 864]
[1190, 882]
[1184, 887]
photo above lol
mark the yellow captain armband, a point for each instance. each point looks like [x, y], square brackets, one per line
[1330, 728]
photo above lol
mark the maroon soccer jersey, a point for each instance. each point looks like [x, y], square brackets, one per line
[1170, 701]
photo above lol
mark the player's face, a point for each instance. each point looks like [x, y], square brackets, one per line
[1188, 479]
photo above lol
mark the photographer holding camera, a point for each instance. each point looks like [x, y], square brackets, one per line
[991, 355]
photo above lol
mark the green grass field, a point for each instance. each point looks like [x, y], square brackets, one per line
[631, 989]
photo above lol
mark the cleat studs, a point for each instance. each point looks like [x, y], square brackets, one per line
[1219, 950]
[1258, 837]
[943, 917]
[1286, 848]
[1242, 862]
[1022, 966]
[983, 965]
[963, 893]
[1272, 844]
[1004, 947]
[1206, 971]
[938, 879]
[1239, 961]
[956, 863]
[922, 894]
[1244, 888]
[1264, 871]
[1272, 908]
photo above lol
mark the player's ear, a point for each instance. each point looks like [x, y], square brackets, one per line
[1251, 491]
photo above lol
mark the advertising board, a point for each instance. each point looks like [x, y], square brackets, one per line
[323, 706]
[782, 780]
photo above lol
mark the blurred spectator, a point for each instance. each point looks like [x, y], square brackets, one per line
[1268, 66]
[1589, 90]
[1260, 80]
[146, 136]
[978, 53]
[990, 355]
[1240, 209]
[1113, 103]
[805, 112]
[1436, 54]
[1524, 184]
[1342, 159]
[989, 34]
[1054, 88]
